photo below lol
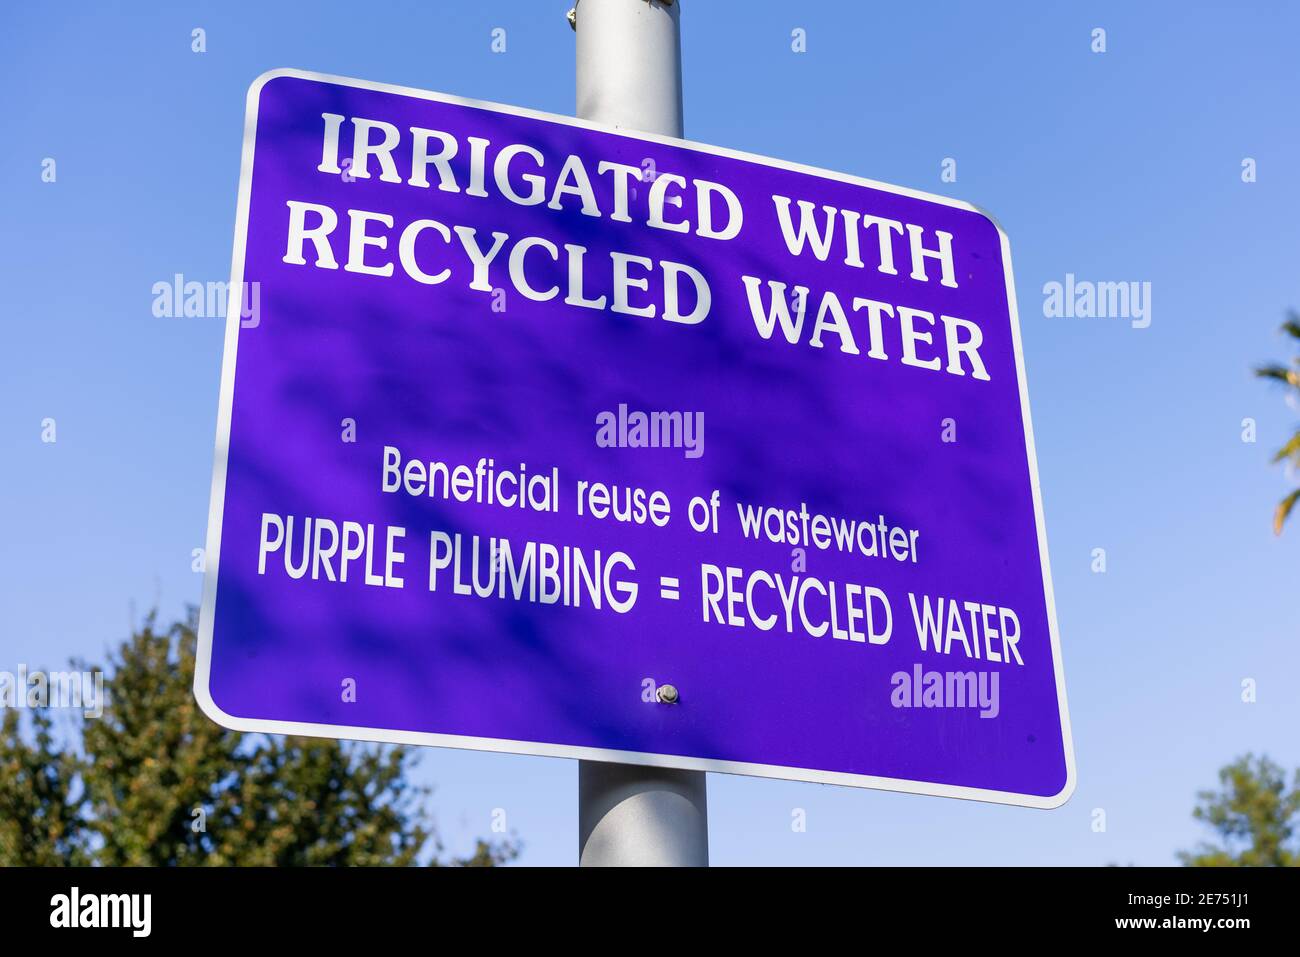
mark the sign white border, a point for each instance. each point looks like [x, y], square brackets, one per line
[203, 665]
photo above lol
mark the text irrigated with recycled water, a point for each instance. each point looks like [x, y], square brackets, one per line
[430, 251]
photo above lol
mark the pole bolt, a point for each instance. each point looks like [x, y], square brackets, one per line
[667, 694]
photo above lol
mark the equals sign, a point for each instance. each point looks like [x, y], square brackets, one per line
[668, 588]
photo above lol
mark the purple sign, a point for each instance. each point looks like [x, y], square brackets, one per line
[540, 437]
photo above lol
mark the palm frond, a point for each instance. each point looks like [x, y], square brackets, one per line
[1289, 451]
[1280, 373]
[1292, 325]
[1283, 510]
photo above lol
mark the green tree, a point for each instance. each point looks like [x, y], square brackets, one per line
[1288, 375]
[1255, 815]
[40, 823]
[154, 782]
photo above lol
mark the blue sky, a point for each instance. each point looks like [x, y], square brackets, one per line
[1115, 166]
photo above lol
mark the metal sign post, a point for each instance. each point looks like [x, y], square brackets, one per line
[629, 75]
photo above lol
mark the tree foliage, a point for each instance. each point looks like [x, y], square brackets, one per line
[1289, 376]
[40, 820]
[154, 782]
[1254, 814]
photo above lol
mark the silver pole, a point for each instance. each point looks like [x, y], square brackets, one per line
[629, 70]
[630, 816]
[629, 64]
